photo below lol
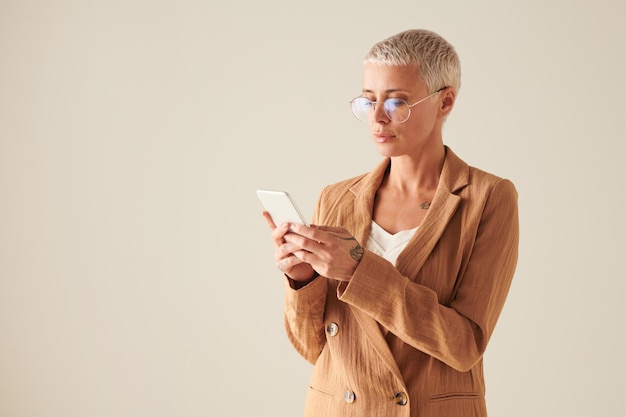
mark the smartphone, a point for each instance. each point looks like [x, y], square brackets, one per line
[281, 207]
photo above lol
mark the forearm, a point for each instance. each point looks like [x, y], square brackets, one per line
[411, 312]
[456, 334]
[304, 317]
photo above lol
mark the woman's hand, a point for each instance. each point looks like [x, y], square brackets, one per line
[331, 251]
[286, 261]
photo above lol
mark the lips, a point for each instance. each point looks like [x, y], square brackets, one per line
[383, 137]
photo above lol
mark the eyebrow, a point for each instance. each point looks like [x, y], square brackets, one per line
[393, 90]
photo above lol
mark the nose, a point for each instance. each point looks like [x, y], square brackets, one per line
[380, 116]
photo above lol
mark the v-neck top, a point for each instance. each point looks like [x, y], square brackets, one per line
[388, 245]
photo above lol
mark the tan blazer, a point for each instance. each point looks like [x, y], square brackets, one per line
[409, 340]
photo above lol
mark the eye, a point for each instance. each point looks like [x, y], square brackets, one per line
[392, 104]
[364, 103]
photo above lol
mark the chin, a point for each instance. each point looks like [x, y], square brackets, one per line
[388, 151]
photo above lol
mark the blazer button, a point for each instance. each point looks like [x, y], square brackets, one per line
[332, 329]
[401, 398]
[349, 396]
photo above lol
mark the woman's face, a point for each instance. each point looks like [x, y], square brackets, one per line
[421, 129]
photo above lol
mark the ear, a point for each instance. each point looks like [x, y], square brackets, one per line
[448, 97]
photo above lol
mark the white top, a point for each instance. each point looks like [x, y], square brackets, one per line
[388, 245]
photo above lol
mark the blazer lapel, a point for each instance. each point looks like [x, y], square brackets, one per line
[365, 193]
[412, 258]
[454, 176]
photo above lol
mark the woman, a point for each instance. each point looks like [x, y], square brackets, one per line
[395, 295]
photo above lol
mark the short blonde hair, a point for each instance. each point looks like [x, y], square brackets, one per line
[436, 59]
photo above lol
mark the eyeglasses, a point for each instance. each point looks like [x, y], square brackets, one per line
[396, 109]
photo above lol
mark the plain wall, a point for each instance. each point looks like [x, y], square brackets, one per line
[136, 272]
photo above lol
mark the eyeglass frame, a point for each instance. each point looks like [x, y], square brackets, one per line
[410, 106]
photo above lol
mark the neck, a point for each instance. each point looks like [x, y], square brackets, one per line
[411, 174]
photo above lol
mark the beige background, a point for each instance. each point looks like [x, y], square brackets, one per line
[136, 274]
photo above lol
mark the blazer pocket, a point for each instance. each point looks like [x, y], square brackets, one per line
[457, 396]
[322, 393]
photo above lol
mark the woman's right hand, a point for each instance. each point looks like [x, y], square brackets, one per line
[286, 261]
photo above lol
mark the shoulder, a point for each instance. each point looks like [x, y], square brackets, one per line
[341, 188]
[365, 183]
[483, 178]
[334, 198]
[487, 192]
[487, 181]
[339, 201]
[470, 181]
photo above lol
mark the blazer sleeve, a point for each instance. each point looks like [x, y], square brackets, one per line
[304, 314]
[456, 334]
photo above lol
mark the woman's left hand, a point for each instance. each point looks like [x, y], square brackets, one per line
[331, 251]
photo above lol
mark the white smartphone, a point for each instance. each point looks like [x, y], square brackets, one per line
[281, 207]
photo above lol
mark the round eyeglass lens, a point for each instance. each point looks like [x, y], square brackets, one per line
[362, 108]
[397, 109]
